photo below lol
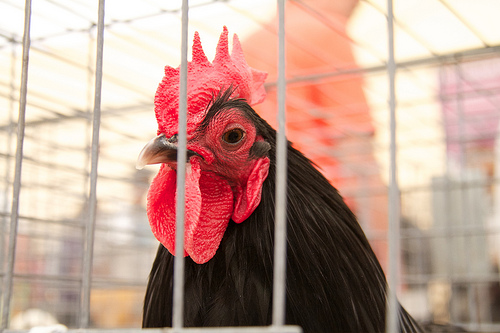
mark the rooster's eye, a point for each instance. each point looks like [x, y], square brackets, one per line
[233, 136]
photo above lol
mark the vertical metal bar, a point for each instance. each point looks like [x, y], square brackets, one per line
[178, 297]
[8, 150]
[90, 227]
[464, 193]
[279, 281]
[447, 223]
[392, 314]
[87, 147]
[458, 242]
[14, 217]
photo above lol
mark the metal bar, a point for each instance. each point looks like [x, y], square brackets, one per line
[109, 78]
[106, 283]
[279, 280]
[434, 233]
[90, 228]
[431, 61]
[178, 293]
[464, 195]
[407, 64]
[14, 217]
[110, 24]
[251, 329]
[88, 160]
[8, 156]
[423, 279]
[394, 204]
[87, 136]
[74, 225]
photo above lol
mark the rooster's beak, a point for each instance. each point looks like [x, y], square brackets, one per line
[160, 150]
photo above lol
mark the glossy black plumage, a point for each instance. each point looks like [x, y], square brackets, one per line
[334, 281]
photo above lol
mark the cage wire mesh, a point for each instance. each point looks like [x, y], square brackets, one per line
[447, 55]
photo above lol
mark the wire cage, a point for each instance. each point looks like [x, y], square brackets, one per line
[397, 103]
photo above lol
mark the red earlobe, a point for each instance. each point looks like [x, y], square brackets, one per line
[248, 198]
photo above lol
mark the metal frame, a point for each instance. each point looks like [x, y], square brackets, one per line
[90, 226]
[14, 218]
[394, 234]
[178, 297]
[253, 329]
[279, 276]
[394, 195]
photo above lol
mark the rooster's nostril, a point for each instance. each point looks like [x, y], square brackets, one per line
[173, 138]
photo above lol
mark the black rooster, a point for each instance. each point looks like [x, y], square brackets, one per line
[334, 280]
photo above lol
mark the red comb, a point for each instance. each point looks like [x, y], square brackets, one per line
[205, 80]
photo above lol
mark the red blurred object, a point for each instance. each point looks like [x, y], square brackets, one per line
[328, 118]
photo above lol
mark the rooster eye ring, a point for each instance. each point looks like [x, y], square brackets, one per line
[233, 136]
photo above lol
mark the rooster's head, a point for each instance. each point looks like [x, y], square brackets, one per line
[227, 157]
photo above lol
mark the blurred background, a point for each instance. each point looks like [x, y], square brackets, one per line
[448, 109]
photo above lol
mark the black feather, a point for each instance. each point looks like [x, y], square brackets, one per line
[334, 280]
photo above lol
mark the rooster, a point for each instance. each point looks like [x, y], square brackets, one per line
[334, 280]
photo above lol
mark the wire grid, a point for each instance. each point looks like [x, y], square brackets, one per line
[446, 160]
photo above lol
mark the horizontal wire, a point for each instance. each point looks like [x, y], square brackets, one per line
[97, 282]
[109, 78]
[252, 329]
[109, 112]
[466, 55]
[439, 232]
[92, 23]
[458, 278]
[438, 60]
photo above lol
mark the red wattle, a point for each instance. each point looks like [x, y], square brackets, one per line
[209, 205]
